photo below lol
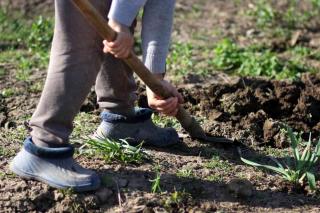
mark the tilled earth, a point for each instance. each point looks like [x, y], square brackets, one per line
[251, 111]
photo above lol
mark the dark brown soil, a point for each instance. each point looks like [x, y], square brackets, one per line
[257, 108]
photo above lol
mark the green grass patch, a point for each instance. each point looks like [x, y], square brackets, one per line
[256, 61]
[84, 124]
[180, 60]
[156, 182]
[217, 163]
[185, 173]
[301, 168]
[114, 150]
[8, 92]
[266, 15]
[27, 43]
[165, 121]
[6, 152]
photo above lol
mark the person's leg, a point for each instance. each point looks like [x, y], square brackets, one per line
[115, 86]
[74, 63]
[116, 95]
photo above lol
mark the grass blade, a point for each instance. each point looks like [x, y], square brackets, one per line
[311, 180]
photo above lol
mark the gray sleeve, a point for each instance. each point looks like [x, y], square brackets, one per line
[125, 11]
[157, 23]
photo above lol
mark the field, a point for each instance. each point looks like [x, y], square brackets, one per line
[246, 69]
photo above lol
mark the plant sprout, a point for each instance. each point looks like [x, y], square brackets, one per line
[301, 168]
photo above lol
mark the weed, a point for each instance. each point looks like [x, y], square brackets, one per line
[12, 29]
[215, 178]
[177, 199]
[263, 12]
[84, 124]
[185, 173]
[40, 37]
[14, 134]
[9, 92]
[217, 163]
[164, 121]
[67, 192]
[156, 182]
[5, 152]
[299, 169]
[120, 150]
[266, 16]
[36, 87]
[253, 61]
[179, 59]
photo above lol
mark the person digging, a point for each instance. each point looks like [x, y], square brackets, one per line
[79, 59]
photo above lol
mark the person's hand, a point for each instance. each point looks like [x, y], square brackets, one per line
[123, 44]
[167, 106]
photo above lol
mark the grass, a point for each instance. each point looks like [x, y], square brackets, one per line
[8, 92]
[256, 61]
[5, 152]
[84, 124]
[217, 163]
[156, 182]
[220, 166]
[164, 121]
[179, 60]
[299, 170]
[27, 43]
[177, 199]
[113, 150]
[290, 17]
[185, 173]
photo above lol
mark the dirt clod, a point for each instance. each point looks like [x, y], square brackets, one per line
[240, 188]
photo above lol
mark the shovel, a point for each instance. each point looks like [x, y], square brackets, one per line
[100, 24]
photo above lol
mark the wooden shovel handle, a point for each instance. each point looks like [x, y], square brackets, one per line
[100, 24]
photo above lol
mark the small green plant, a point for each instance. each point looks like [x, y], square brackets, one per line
[180, 59]
[255, 61]
[120, 150]
[40, 37]
[185, 172]
[177, 199]
[301, 168]
[217, 163]
[263, 12]
[9, 92]
[290, 17]
[156, 182]
[164, 121]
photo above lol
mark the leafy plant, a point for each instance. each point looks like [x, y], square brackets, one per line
[7, 92]
[264, 13]
[120, 150]
[164, 121]
[302, 166]
[156, 187]
[180, 58]
[177, 199]
[291, 17]
[185, 172]
[255, 61]
[40, 37]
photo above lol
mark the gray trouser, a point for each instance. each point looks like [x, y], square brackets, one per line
[76, 63]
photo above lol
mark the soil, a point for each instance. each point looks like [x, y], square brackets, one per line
[250, 111]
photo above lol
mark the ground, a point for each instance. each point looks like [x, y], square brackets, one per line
[194, 176]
